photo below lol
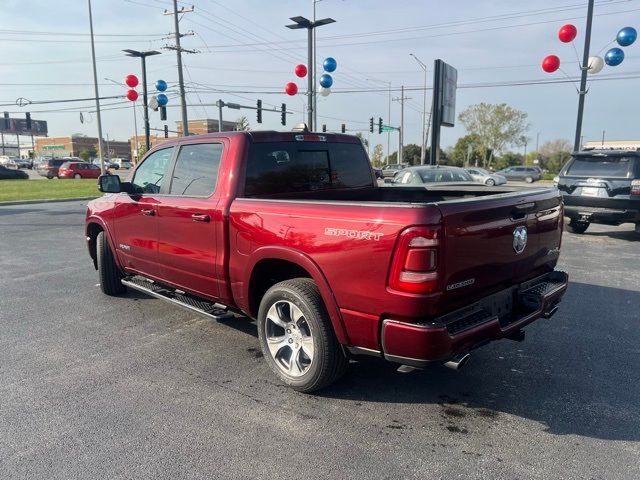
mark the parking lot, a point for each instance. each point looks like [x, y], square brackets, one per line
[99, 387]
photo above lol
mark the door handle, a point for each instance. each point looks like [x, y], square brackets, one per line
[200, 217]
[149, 212]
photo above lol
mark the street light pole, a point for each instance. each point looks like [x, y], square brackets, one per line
[95, 86]
[583, 77]
[424, 111]
[302, 22]
[143, 57]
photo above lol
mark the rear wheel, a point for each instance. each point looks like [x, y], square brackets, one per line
[490, 181]
[574, 226]
[297, 338]
[529, 179]
[108, 272]
[77, 176]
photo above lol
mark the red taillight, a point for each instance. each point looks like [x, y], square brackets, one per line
[415, 262]
[635, 187]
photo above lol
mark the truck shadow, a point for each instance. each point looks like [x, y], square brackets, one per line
[627, 235]
[578, 373]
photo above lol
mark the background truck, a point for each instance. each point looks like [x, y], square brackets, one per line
[291, 229]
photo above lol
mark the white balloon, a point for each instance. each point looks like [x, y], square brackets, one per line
[325, 92]
[595, 64]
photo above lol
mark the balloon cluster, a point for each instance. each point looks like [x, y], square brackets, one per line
[131, 81]
[614, 56]
[326, 80]
[162, 99]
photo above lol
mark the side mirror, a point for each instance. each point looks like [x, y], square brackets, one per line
[109, 184]
[388, 180]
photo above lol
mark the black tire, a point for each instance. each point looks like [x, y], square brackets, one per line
[329, 361]
[529, 179]
[77, 176]
[575, 226]
[108, 272]
[490, 181]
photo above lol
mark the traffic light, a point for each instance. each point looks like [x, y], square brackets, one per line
[324, 127]
[283, 115]
[379, 124]
[163, 113]
[259, 111]
[166, 131]
[28, 115]
[6, 121]
[344, 128]
[371, 124]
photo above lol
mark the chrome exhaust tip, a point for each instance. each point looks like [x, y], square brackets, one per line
[457, 362]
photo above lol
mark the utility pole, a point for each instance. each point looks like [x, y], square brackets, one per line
[424, 111]
[389, 120]
[95, 86]
[179, 50]
[583, 77]
[603, 132]
[401, 99]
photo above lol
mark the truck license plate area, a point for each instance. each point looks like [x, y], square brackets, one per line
[589, 191]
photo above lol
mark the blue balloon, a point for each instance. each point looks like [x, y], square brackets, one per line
[161, 85]
[330, 64]
[627, 36]
[162, 99]
[326, 80]
[614, 57]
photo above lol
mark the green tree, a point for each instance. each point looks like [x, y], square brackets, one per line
[508, 159]
[554, 154]
[467, 151]
[376, 158]
[84, 155]
[411, 154]
[242, 124]
[496, 127]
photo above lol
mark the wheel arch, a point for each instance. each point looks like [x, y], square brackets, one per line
[95, 225]
[291, 264]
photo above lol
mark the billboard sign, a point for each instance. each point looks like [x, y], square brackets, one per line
[18, 126]
[449, 87]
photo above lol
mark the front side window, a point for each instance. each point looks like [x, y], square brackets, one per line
[149, 175]
[196, 170]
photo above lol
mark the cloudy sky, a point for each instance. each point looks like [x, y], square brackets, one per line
[246, 53]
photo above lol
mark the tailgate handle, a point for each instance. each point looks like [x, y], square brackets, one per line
[200, 217]
[519, 211]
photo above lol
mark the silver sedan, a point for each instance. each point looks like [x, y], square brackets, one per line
[483, 176]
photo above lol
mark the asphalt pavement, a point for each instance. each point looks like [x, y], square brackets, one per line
[131, 387]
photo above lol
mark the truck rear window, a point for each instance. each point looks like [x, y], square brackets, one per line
[600, 166]
[286, 167]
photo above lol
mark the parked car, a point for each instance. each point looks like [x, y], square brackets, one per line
[392, 169]
[107, 164]
[121, 162]
[49, 168]
[378, 172]
[601, 187]
[484, 176]
[10, 162]
[12, 174]
[291, 229]
[78, 170]
[419, 175]
[526, 174]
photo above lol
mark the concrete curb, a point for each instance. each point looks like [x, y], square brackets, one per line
[46, 200]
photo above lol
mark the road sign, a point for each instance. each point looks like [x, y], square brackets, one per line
[388, 129]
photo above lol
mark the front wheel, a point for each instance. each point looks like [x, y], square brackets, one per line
[297, 338]
[490, 181]
[575, 226]
[529, 179]
[108, 272]
[77, 176]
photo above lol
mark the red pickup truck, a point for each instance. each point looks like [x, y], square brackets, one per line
[292, 229]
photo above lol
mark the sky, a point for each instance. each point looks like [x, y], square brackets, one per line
[246, 53]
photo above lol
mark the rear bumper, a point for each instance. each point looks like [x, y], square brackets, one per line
[497, 316]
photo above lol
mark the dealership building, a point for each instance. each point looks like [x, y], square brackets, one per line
[73, 145]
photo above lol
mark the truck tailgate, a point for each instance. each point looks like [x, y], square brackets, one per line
[482, 248]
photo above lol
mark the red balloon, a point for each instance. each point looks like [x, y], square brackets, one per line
[291, 88]
[551, 63]
[567, 33]
[132, 95]
[301, 70]
[131, 81]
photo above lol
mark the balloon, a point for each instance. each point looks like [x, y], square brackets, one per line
[326, 80]
[330, 64]
[301, 70]
[161, 85]
[291, 88]
[614, 57]
[551, 63]
[162, 99]
[595, 64]
[325, 92]
[132, 95]
[567, 33]
[626, 36]
[131, 81]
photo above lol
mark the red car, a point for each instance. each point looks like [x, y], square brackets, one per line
[78, 170]
[292, 229]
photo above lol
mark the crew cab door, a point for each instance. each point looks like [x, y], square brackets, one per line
[135, 221]
[188, 219]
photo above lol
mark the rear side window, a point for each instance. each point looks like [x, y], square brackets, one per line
[286, 167]
[598, 166]
[196, 170]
